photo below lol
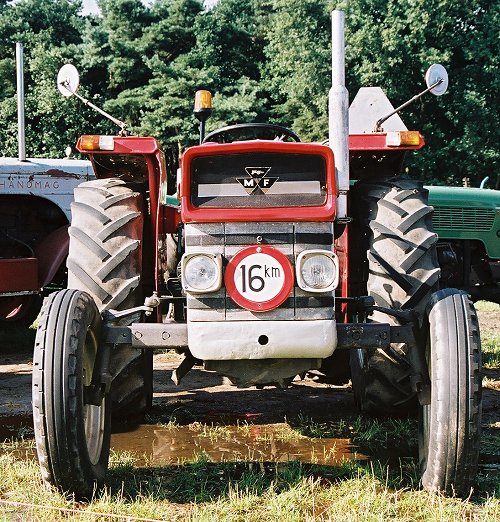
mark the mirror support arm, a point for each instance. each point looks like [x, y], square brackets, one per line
[116, 121]
[378, 124]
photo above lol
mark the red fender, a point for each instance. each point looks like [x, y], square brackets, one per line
[52, 252]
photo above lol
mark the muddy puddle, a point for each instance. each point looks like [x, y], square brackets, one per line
[154, 445]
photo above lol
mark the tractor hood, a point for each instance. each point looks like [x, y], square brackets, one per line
[467, 213]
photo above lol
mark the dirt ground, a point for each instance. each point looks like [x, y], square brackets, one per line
[205, 397]
[202, 396]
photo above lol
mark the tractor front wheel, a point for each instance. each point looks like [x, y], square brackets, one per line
[449, 428]
[72, 437]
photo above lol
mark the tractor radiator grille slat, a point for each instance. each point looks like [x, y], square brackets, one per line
[290, 238]
[458, 218]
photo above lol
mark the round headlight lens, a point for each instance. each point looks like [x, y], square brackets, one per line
[201, 272]
[318, 271]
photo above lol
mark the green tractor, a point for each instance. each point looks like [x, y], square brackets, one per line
[467, 221]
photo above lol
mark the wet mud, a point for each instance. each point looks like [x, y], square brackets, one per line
[153, 445]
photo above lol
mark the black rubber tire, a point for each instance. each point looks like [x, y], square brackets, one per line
[72, 438]
[450, 426]
[105, 260]
[403, 271]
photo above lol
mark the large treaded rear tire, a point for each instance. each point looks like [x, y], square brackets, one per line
[449, 428]
[105, 260]
[72, 437]
[403, 271]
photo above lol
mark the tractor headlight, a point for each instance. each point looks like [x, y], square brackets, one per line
[201, 272]
[317, 271]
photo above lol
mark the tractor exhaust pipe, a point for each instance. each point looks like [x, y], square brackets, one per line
[338, 113]
[21, 137]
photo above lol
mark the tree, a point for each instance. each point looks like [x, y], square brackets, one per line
[266, 60]
[47, 28]
[124, 22]
[297, 67]
[223, 59]
[392, 43]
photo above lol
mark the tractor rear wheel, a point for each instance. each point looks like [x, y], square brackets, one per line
[72, 437]
[403, 271]
[105, 260]
[449, 427]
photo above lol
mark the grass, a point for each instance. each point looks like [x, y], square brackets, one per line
[489, 316]
[244, 491]
[373, 436]
[490, 351]
[487, 306]
[378, 489]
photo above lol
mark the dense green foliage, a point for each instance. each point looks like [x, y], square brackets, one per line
[264, 60]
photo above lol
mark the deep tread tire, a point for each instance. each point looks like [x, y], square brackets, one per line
[449, 428]
[105, 260]
[72, 438]
[403, 271]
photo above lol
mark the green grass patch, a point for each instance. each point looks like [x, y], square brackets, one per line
[487, 306]
[489, 318]
[490, 351]
[243, 491]
[371, 435]
[490, 444]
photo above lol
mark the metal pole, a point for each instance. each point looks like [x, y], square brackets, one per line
[338, 113]
[202, 131]
[21, 137]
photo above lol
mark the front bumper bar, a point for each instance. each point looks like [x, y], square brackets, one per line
[175, 335]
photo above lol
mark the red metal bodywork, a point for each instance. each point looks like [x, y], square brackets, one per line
[325, 212]
[377, 142]
[19, 275]
[30, 274]
[52, 252]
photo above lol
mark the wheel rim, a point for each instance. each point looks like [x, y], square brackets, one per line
[93, 416]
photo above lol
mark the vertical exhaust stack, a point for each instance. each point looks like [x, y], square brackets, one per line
[338, 113]
[21, 139]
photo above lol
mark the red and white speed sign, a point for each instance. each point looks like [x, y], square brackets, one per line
[259, 278]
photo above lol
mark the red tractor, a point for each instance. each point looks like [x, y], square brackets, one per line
[272, 265]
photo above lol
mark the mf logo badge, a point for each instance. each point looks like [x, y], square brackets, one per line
[257, 183]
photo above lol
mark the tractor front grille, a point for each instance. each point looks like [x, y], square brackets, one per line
[458, 218]
[228, 238]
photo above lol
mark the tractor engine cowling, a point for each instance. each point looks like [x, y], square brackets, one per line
[259, 268]
[257, 308]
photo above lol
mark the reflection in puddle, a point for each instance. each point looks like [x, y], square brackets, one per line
[20, 451]
[154, 445]
[15, 427]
